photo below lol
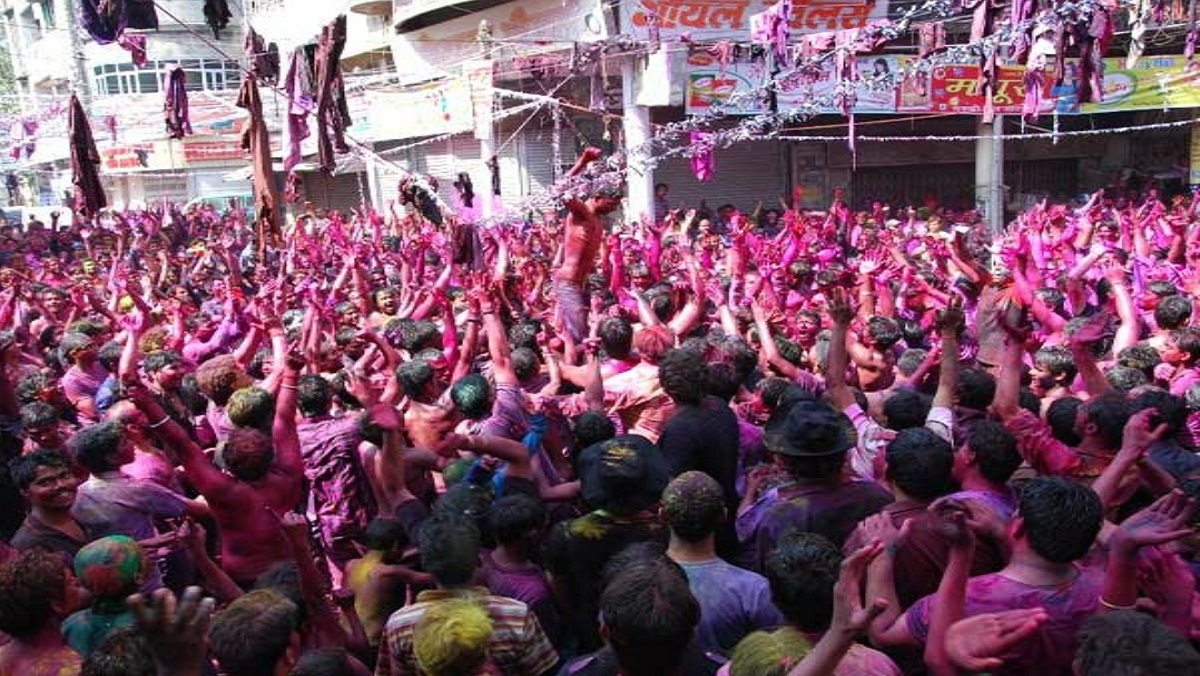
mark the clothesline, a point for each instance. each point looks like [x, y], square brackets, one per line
[278, 94]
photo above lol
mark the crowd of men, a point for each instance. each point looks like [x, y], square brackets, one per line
[861, 441]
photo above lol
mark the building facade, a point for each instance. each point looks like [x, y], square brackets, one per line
[140, 164]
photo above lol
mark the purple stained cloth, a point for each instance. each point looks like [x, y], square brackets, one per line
[300, 85]
[340, 494]
[106, 20]
[333, 113]
[85, 162]
[704, 164]
[508, 418]
[175, 108]
[1051, 649]
[772, 28]
[136, 46]
[217, 16]
[263, 58]
[526, 584]
[733, 603]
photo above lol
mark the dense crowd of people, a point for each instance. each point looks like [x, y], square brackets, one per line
[861, 441]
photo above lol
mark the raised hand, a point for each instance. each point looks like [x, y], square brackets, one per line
[176, 631]
[952, 320]
[839, 307]
[977, 643]
[1163, 521]
[1141, 431]
[1092, 332]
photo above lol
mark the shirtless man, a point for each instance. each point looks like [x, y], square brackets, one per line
[582, 237]
[379, 581]
[263, 479]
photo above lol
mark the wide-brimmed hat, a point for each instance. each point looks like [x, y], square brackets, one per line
[623, 475]
[807, 429]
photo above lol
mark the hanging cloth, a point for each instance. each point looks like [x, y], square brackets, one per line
[1139, 16]
[1189, 47]
[175, 108]
[135, 44]
[257, 140]
[106, 20]
[333, 114]
[300, 86]
[262, 60]
[217, 16]
[771, 28]
[704, 162]
[85, 162]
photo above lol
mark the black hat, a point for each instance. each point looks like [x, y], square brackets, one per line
[623, 475]
[807, 429]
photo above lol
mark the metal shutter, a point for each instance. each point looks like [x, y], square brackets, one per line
[339, 192]
[746, 173]
[157, 186]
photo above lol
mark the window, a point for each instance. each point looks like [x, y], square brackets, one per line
[202, 75]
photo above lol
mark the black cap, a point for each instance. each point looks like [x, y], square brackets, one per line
[623, 475]
[807, 429]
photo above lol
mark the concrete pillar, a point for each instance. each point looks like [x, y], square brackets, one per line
[639, 178]
[989, 173]
[483, 189]
[81, 81]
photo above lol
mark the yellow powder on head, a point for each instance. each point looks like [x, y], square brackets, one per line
[451, 638]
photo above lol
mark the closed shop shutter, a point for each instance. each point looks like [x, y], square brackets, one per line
[746, 174]
[173, 187]
[954, 184]
[339, 192]
[533, 161]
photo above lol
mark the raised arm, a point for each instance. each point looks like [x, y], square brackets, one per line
[950, 324]
[1127, 332]
[207, 479]
[497, 344]
[1086, 336]
[283, 430]
[842, 314]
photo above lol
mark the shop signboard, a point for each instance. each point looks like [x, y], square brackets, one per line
[713, 20]
[1155, 83]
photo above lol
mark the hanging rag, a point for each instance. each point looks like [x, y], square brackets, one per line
[412, 193]
[704, 161]
[653, 34]
[333, 114]
[846, 70]
[723, 52]
[110, 123]
[983, 24]
[85, 162]
[1139, 16]
[1092, 35]
[263, 60]
[175, 108]
[771, 28]
[1189, 47]
[106, 20]
[465, 188]
[135, 44]
[292, 186]
[257, 139]
[1045, 42]
[217, 16]
[493, 166]
[302, 100]
[596, 99]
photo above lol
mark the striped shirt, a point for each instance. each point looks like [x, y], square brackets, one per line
[518, 646]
